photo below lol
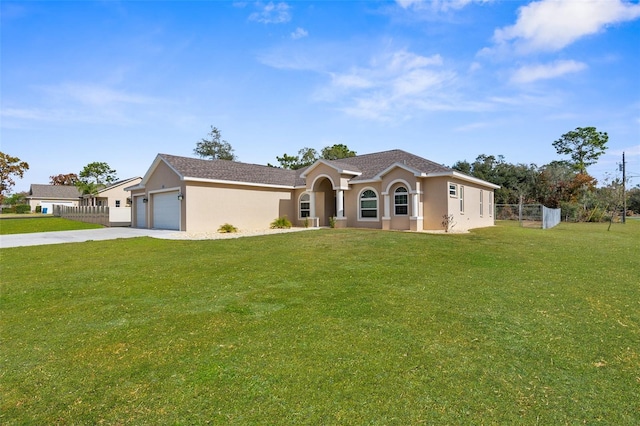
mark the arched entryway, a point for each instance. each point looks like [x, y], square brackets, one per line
[325, 200]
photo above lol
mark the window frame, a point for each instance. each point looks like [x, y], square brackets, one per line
[481, 203]
[453, 190]
[301, 211]
[404, 205]
[375, 209]
[461, 198]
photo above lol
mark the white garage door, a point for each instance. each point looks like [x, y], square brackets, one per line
[141, 213]
[166, 211]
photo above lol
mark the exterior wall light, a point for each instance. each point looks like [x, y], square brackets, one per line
[180, 196]
[145, 200]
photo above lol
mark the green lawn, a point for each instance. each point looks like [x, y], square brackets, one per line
[505, 325]
[32, 223]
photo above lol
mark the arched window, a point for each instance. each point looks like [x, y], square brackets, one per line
[401, 201]
[305, 205]
[368, 204]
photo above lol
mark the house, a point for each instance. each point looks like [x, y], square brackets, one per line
[45, 196]
[113, 195]
[385, 190]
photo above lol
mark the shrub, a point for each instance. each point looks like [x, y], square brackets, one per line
[227, 228]
[281, 223]
[448, 222]
[38, 209]
[23, 208]
[332, 222]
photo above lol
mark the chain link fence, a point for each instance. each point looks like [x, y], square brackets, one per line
[529, 215]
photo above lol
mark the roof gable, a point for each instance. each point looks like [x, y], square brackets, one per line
[339, 166]
[375, 166]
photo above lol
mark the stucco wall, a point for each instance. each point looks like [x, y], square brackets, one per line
[391, 181]
[118, 194]
[352, 203]
[210, 206]
[470, 218]
[435, 202]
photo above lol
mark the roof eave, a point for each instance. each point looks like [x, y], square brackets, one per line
[464, 177]
[237, 183]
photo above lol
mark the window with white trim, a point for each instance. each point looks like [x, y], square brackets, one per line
[481, 203]
[453, 190]
[368, 204]
[401, 201]
[305, 205]
[461, 192]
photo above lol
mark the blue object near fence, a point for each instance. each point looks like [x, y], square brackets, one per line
[44, 210]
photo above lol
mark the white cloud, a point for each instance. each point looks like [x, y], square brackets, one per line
[531, 73]
[95, 95]
[271, 13]
[299, 33]
[550, 25]
[77, 102]
[391, 85]
[475, 66]
[437, 5]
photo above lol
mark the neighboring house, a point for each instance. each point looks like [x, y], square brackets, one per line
[113, 195]
[116, 198]
[384, 190]
[46, 196]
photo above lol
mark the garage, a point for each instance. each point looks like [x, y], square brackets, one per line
[166, 210]
[141, 212]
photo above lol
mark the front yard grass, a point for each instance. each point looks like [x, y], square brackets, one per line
[505, 325]
[33, 223]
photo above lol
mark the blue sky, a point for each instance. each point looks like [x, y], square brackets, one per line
[119, 81]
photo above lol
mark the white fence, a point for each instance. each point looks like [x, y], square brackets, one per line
[550, 217]
[529, 215]
[102, 215]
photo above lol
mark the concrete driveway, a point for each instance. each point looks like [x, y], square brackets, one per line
[59, 237]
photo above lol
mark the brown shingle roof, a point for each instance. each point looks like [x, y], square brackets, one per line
[368, 166]
[230, 171]
[66, 192]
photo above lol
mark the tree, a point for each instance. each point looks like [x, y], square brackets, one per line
[584, 146]
[308, 156]
[17, 198]
[214, 148]
[94, 177]
[305, 158]
[337, 152]
[10, 167]
[633, 199]
[64, 179]
[516, 181]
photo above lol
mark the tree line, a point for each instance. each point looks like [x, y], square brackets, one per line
[563, 183]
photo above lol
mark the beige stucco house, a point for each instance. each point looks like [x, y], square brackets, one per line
[114, 195]
[45, 196]
[384, 190]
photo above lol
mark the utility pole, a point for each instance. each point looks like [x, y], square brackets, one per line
[624, 190]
